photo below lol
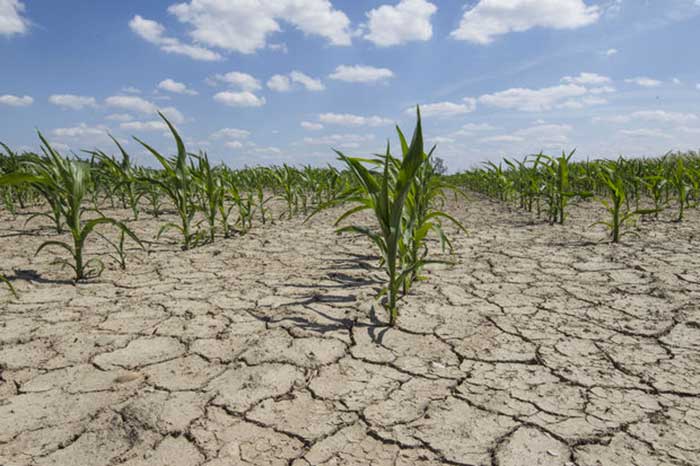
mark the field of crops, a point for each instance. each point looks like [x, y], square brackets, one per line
[540, 311]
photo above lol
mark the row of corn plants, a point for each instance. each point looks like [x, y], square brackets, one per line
[627, 188]
[206, 199]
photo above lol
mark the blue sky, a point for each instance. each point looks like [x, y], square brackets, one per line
[275, 81]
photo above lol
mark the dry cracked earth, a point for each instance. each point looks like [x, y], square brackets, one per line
[541, 346]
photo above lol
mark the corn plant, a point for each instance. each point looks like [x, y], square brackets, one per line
[385, 192]
[121, 177]
[679, 179]
[421, 217]
[613, 176]
[9, 285]
[177, 183]
[68, 181]
[211, 192]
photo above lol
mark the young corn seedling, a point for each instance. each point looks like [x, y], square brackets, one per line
[385, 194]
[120, 252]
[211, 193]
[121, 177]
[9, 285]
[680, 181]
[613, 176]
[68, 181]
[177, 183]
[427, 193]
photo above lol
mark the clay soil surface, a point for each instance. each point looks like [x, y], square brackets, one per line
[541, 346]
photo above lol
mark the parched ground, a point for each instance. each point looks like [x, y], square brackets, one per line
[541, 346]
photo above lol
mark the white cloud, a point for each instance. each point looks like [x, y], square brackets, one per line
[644, 133]
[408, 20]
[244, 26]
[501, 138]
[244, 81]
[81, 130]
[644, 81]
[547, 135]
[280, 83]
[651, 115]
[119, 117]
[11, 20]
[154, 33]
[491, 18]
[340, 139]
[16, 101]
[130, 102]
[478, 127]
[445, 109]
[75, 102]
[239, 99]
[582, 102]
[137, 104]
[311, 126]
[347, 119]
[234, 144]
[533, 100]
[308, 82]
[361, 74]
[268, 150]
[176, 87]
[545, 132]
[131, 90]
[611, 52]
[697, 86]
[173, 115]
[586, 78]
[153, 125]
[231, 133]
[284, 83]
[676, 81]
[602, 90]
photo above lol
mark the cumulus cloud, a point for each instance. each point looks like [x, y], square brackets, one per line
[361, 74]
[16, 101]
[137, 104]
[445, 109]
[544, 134]
[234, 144]
[533, 100]
[154, 32]
[586, 78]
[153, 125]
[244, 81]
[347, 119]
[308, 82]
[491, 18]
[340, 140]
[660, 116]
[239, 99]
[409, 20]
[74, 102]
[644, 81]
[231, 133]
[610, 52]
[119, 117]
[311, 126]
[240, 26]
[645, 133]
[285, 83]
[82, 130]
[280, 83]
[11, 20]
[133, 103]
[176, 87]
